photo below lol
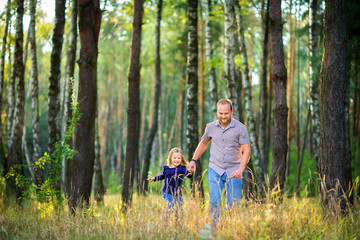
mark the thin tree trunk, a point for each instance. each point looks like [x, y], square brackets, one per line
[54, 81]
[264, 145]
[314, 72]
[211, 76]
[192, 92]
[333, 184]
[201, 74]
[132, 139]
[300, 160]
[248, 103]
[99, 190]
[15, 151]
[229, 52]
[69, 86]
[3, 159]
[84, 137]
[35, 94]
[280, 109]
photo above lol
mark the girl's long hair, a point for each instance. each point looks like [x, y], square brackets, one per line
[176, 150]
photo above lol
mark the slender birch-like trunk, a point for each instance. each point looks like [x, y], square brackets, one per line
[211, 76]
[15, 150]
[314, 72]
[248, 103]
[264, 145]
[35, 94]
[229, 54]
[3, 159]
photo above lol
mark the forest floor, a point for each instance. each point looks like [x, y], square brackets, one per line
[294, 218]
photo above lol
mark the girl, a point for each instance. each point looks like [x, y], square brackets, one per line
[174, 173]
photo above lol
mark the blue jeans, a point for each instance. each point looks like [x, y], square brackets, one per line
[172, 201]
[216, 186]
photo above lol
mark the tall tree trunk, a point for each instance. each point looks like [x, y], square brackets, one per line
[155, 108]
[99, 190]
[3, 159]
[264, 145]
[248, 103]
[280, 109]
[314, 71]
[132, 138]
[300, 160]
[229, 65]
[211, 76]
[54, 81]
[35, 94]
[201, 74]
[15, 151]
[192, 92]
[84, 137]
[333, 184]
[69, 86]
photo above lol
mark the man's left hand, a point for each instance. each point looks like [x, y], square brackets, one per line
[237, 173]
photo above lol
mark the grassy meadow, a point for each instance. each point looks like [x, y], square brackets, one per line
[294, 218]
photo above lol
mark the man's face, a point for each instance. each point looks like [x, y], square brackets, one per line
[224, 114]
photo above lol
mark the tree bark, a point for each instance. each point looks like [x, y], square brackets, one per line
[280, 109]
[3, 159]
[35, 94]
[192, 93]
[248, 103]
[132, 138]
[99, 189]
[15, 151]
[314, 71]
[69, 86]
[264, 145]
[229, 55]
[333, 184]
[54, 80]
[84, 137]
[211, 76]
[157, 94]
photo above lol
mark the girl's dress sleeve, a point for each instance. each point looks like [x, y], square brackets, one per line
[186, 172]
[162, 176]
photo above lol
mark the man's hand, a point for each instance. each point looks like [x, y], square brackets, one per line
[238, 173]
[192, 167]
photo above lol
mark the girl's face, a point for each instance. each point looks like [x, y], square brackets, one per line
[176, 159]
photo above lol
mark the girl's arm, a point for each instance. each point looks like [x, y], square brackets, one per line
[158, 178]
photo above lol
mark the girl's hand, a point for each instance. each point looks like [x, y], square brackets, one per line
[152, 179]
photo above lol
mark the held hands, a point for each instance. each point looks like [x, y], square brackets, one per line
[192, 167]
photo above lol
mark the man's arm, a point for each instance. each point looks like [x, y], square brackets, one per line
[244, 160]
[200, 149]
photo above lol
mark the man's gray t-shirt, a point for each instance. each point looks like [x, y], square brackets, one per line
[225, 155]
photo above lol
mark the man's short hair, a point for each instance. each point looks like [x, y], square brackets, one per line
[223, 102]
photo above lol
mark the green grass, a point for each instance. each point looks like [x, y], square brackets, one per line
[295, 218]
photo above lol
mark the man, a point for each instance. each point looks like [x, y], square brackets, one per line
[229, 154]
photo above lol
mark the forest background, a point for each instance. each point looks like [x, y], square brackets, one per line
[114, 41]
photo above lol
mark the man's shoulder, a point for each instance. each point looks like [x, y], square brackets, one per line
[237, 123]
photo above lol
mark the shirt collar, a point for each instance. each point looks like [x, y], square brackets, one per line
[231, 124]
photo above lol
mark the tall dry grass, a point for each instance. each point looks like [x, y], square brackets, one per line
[292, 219]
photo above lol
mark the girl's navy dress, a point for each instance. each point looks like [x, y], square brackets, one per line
[174, 178]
